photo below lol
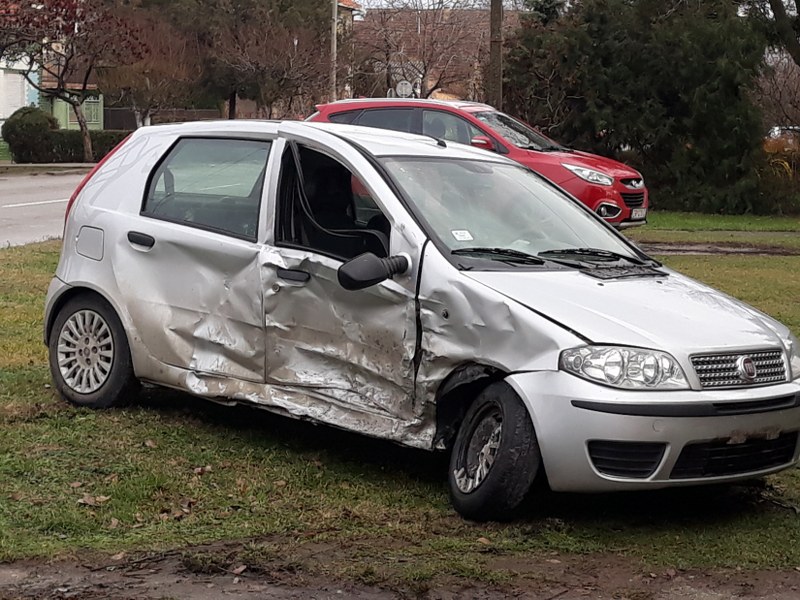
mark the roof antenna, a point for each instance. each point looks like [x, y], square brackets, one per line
[439, 141]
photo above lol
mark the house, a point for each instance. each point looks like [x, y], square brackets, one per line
[92, 106]
[15, 91]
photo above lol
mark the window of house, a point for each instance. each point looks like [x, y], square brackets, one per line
[331, 213]
[91, 110]
[447, 126]
[210, 183]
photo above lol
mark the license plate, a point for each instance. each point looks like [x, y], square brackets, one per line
[638, 214]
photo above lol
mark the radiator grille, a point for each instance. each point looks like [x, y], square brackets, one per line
[722, 371]
[633, 200]
[720, 458]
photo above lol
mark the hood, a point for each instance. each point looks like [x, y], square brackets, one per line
[609, 166]
[674, 313]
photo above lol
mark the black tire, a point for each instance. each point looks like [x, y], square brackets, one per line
[517, 459]
[111, 383]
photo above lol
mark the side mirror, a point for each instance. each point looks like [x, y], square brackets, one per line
[482, 142]
[367, 269]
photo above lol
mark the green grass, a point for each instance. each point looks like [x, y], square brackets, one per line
[682, 221]
[5, 153]
[279, 490]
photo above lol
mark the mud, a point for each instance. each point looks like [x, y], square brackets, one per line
[684, 248]
[600, 577]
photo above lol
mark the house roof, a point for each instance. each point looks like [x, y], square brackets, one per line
[349, 4]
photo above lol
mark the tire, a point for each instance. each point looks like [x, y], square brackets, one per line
[102, 377]
[497, 426]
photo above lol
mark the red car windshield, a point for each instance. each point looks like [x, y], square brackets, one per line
[517, 132]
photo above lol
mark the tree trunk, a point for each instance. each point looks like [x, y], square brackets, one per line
[88, 154]
[232, 105]
[494, 81]
[137, 114]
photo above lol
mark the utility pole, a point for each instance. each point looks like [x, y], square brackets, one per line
[494, 82]
[334, 35]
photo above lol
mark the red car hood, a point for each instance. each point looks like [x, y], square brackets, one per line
[583, 159]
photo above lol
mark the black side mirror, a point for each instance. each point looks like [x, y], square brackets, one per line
[367, 269]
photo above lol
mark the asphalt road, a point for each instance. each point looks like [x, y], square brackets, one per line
[32, 207]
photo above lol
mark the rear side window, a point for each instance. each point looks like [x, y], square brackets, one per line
[396, 119]
[343, 117]
[211, 184]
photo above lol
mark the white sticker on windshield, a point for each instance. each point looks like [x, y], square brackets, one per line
[462, 235]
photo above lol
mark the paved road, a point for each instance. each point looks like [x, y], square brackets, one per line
[32, 207]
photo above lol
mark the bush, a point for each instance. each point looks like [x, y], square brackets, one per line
[27, 132]
[33, 137]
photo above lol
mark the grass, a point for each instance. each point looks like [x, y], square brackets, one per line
[173, 471]
[683, 221]
[780, 234]
[5, 153]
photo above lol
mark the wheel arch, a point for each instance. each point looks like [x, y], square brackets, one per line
[455, 395]
[73, 292]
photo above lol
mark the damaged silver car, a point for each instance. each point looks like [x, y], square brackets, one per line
[418, 291]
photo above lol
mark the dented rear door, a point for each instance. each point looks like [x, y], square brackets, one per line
[189, 264]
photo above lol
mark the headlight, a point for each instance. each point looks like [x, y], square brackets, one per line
[793, 347]
[622, 367]
[590, 175]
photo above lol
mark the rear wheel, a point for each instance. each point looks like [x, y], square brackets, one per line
[90, 360]
[495, 457]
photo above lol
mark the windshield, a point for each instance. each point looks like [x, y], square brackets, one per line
[476, 204]
[517, 132]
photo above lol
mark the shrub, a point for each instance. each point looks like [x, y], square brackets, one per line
[27, 132]
[33, 137]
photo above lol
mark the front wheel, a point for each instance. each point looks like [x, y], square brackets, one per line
[90, 360]
[495, 457]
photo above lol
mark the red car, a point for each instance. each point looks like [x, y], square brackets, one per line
[613, 190]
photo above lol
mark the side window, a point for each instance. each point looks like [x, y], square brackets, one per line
[330, 211]
[211, 184]
[396, 119]
[343, 117]
[443, 125]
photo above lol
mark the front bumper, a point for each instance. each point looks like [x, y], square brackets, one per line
[568, 413]
[632, 204]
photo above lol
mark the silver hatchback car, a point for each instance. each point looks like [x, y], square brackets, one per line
[418, 291]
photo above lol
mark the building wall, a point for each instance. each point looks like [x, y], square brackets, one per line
[15, 91]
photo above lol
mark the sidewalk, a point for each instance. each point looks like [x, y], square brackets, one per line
[9, 168]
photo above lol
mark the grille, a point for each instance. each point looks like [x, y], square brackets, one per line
[632, 182]
[720, 370]
[720, 458]
[626, 459]
[633, 200]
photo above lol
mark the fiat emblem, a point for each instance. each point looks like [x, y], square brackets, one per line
[746, 368]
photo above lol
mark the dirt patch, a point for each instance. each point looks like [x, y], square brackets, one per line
[213, 572]
[683, 248]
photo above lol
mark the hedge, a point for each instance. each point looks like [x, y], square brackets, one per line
[33, 137]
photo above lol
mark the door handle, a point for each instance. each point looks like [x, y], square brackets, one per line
[295, 275]
[141, 239]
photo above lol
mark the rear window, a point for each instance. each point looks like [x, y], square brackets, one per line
[343, 117]
[396, 119]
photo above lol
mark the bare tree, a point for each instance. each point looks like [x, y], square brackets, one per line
[778, 93]
[66, 41]
[276, 62]
[431, 44]
[163, 77]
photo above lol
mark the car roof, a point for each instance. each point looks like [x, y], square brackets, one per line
[378, 142]
[356, 103]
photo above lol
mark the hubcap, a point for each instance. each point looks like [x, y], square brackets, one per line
[479, 452]
[85, 351]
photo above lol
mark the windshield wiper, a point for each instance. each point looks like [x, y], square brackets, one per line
[590, 253]
[502, 254]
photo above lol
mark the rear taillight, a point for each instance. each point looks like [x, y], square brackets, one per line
[89, 175]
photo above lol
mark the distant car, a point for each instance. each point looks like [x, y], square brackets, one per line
[357, 277]
[613, 190]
